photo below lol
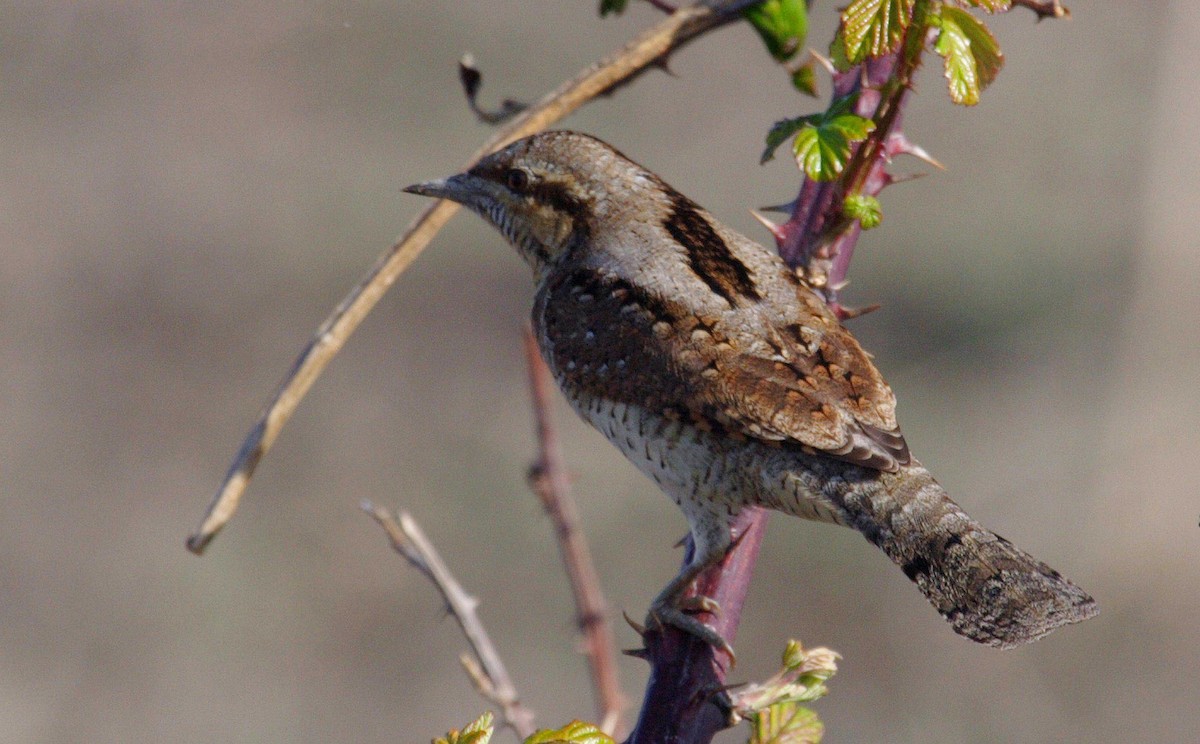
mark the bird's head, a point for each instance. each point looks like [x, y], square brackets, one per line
[545, 193]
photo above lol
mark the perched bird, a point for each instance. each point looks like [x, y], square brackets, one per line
[727, 380]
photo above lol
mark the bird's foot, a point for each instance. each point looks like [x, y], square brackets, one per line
[677, 614]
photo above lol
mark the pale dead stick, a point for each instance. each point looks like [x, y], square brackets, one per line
[649, 48]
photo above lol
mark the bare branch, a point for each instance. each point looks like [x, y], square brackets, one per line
[548, 479]
[1045, 8]
[663, 5]
[649, 49]
[489, 675]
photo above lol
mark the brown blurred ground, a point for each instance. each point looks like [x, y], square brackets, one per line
[187, 188]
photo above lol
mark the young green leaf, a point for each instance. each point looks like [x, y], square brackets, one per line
[781, 130]
[478, 731]
[786, 723]
[612, 6]
[782, 24]
[823, 150]
[804, 78]
[984, 47]
[871, 28]
[972, 56]
[866, 209]
[822, 141]
[575, 732]
[801, 680]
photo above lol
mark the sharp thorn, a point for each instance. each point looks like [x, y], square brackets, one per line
[901, 145]
[637, 627]
[854, 312]
[823, 61]
[781, 208]
[906, 177]
[776, 231]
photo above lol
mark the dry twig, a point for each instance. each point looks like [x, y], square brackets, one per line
[489, 673]
[548, 479]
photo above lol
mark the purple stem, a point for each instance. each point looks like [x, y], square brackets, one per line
[806, 242]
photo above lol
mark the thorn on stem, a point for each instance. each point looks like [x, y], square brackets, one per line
[637, 627]
[776, 231]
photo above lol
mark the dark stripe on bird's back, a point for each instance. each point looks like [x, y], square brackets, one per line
[709, 256]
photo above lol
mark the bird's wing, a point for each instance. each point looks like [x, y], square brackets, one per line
[806, 383]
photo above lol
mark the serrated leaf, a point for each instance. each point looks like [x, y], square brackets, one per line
[782, 25]
[972, 56]
[866, 209]
[780, 131]
[821, 155]
[478, 731]
[786, 723]
[872, 28]
[822, 141]
[984, 47]
[575, 732]
[612, 6]
[853, 127]
[822, 150]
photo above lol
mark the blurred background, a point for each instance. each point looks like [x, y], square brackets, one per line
[188, 189]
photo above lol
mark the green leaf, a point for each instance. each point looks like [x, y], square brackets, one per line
[822, 155]
[781, 130]
[822, 141]
[972, 56]
[478, 731]
[575, 732]
[786, 723]
[804, 78]
[612, 6]
[984, 47]
[872, 28]
[782, 24]
[823, 150]
[866, 209]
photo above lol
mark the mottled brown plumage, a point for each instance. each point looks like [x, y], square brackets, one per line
[728, 381]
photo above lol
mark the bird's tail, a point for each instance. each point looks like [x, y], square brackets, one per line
[991, 591]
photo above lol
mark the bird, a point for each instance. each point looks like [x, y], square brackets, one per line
[725, 378]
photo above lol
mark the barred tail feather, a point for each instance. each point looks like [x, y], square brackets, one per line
[991, 591]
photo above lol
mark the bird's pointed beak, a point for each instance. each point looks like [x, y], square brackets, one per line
[455, 188]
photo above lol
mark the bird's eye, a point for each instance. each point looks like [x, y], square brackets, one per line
[516, 179]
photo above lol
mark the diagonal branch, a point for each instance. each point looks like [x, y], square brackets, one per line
[645, 51]
[489, 673]
[548, 479]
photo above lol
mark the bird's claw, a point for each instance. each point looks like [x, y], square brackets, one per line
[668, 614]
